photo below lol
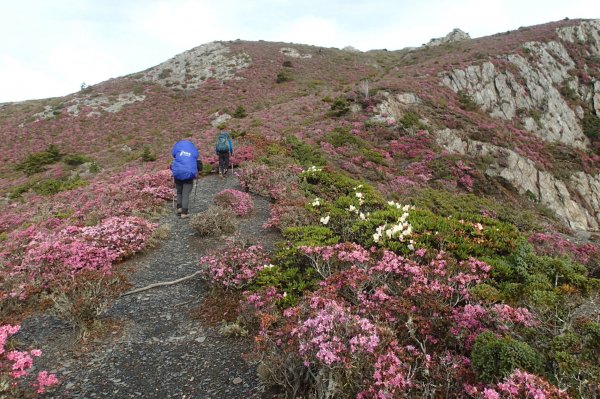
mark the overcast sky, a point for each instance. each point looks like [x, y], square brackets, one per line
[48, 48]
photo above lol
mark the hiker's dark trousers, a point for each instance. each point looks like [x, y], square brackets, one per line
[223, 162]
[184, 188]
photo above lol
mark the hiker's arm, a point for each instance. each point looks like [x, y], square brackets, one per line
[230, 147]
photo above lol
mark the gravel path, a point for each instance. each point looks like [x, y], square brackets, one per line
[153, 348]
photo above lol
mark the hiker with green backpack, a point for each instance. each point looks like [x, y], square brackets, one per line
[223, 148]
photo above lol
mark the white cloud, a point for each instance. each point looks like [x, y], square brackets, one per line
[184, 24]
[49, 45]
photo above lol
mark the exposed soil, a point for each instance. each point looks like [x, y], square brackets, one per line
[157, 344]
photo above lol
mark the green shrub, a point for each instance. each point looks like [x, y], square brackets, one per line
[75, 159]
[305, 154]
[466, 102]
[410, 120]
[341, 136]
[240, 112]
[373, 156]
[494, 358]
[471, 207]
[147, 155]
[291, 280]
[35, 163]
[94, 168]
[591, 125]
[339, 107]
[283, 76]
[309, 236]
[330, 185]
[53, 186]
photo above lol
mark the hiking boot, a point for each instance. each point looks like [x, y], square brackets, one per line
[185, 216]
[179, 210]
[221, 175]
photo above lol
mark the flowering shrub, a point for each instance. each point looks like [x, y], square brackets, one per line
[240, 203]
[123, 236]
[266, 181]
[556, 245]
[16, 364]
[520, 384]
[233, 266]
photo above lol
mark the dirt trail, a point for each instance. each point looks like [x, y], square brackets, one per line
[158, 350]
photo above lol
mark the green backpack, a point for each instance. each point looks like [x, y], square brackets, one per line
[223, 142]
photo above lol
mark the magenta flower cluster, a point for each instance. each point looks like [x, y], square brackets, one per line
[233, 266]
[239, 202]
[16, 364]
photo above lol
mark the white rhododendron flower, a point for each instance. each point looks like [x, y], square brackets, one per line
[316, 202]
[325, 219]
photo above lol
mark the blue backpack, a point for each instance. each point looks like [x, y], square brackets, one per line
[185, 155]
[223, 142]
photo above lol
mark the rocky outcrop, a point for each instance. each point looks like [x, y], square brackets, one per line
[94, 104]
[456, 35]
[191, 68]
[294, 53]
[586, 32]
[529, 88]
[577, 204]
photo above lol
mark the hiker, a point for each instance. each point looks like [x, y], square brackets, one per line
[223, 148]
[185, 166]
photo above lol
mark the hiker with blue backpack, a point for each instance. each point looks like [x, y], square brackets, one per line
[223, 148]
[185, 166]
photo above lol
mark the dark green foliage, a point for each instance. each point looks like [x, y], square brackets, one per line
[46, 187]
[341, 136]
[305, 154]
[165, 73]
[310, 236]
[147, 155]
[466, 102]
[332, 185]
[339, 107]
[291, 280]
[240, 112]
[591, 125]
[494, 358]
[471, 207]
[283, 76]
[75, 159]
[410, 120]
[94, 168]
[569, 93]
[373, 156]
[538, 274]
[35, 163]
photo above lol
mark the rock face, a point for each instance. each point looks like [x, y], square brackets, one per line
[585, 32]
[456, 35]
[191, 68]
[527, 88]
[532, 91]
[95, 103]
[577, 204]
